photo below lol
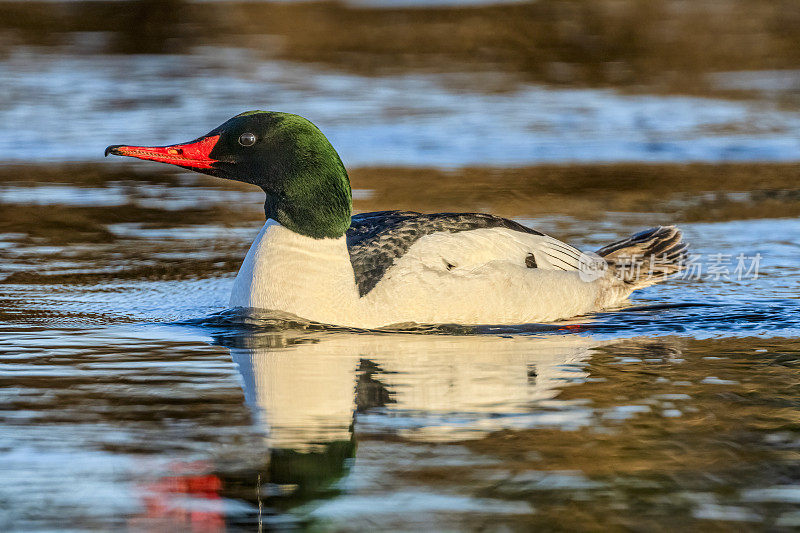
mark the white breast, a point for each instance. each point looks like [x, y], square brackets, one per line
[310, 278]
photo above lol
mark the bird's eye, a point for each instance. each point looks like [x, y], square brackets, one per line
[247, 139]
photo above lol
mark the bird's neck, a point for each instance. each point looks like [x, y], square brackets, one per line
[315, 199]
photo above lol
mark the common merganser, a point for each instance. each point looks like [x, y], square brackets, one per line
[316, 260]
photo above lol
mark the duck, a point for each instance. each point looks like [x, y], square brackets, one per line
[316, 260]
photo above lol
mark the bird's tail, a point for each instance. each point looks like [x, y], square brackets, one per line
[647, 257]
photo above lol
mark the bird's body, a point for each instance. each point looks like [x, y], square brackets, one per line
[494, 275]
[314, 260]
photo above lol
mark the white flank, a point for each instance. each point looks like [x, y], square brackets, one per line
[470, 277]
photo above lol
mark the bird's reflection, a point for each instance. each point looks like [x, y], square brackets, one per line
[313, 395]
[307, 390]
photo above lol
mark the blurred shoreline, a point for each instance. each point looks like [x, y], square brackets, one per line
[658, 47]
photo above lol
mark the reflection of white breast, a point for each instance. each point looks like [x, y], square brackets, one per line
[305, 392]
[303, 398]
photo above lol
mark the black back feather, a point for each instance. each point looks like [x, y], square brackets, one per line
[376, 240]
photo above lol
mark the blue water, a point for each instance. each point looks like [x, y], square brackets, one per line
[71, 107]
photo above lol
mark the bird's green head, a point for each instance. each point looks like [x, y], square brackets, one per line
[306, 184]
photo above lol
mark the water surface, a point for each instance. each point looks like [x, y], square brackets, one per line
[129, 401]
[70, 108]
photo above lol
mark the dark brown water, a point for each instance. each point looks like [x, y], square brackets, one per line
[131, 398]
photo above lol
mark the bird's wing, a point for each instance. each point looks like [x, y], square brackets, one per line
[376, 241]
